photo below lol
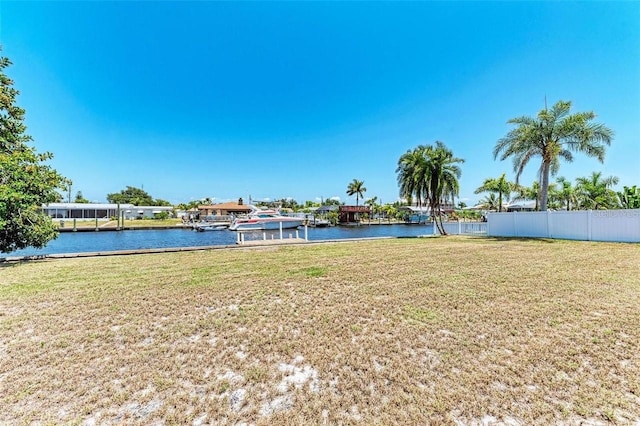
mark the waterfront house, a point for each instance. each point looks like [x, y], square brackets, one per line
[521, 206]
[324, 210]
[224, 209]
[351, 214]
[102, 211]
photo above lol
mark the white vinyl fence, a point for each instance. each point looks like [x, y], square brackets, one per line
[588, 225]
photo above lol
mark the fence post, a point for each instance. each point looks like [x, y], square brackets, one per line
[548, 224]
[306, 234]
[459, 227]
[589, 224]
[280, 230]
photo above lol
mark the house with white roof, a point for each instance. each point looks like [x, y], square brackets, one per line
[102, 210]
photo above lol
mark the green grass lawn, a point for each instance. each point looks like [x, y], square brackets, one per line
[408, 331]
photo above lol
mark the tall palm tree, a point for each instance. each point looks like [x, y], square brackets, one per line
[500, 186]
[490, 202]
[411, 172]
[566, 192]
[595, 192]
[356, 187]
[430, 173]
[553, 135]
[372, 203]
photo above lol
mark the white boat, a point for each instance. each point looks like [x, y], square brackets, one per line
[265, 220]
[213, 223]
[201, 227]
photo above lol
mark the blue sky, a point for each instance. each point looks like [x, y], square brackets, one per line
[270, 100]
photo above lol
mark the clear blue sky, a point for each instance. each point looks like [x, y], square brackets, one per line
[296, 99]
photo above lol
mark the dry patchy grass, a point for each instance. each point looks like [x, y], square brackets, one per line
[413, 331]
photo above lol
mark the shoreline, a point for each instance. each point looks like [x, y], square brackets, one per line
[123, 228]
[247, 245]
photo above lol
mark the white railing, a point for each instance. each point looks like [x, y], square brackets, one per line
[255, 235]
[463, 228]
[588, 225]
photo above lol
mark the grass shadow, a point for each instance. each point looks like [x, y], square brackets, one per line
[521, 239]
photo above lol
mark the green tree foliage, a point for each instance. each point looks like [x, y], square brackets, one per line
[162, 215]
[331, 202]
[135, 196]
[553, 135]
[595, 193]
[412, 175]
[332, 217]
[566, 193]
[490, 202]
[529, 193]
[80, 199]
[372, 203]
[282, 203]
[310, 204]
[629, 197]
[390, 211]
[430, 173]
[161, 202]
[500, 186]
[469, 214]
[26, 181]
[193, 204]
[289, 203]
[356, 187]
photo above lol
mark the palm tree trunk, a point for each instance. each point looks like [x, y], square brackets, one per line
[440, 225]
[544, 186]
[500, 202]
[437, 219]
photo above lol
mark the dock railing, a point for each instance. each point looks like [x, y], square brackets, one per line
[269, 237]
[463, 228]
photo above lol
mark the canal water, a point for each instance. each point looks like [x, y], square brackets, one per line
[79, 242]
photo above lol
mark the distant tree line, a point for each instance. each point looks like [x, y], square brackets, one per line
[135, 196]
[593, 192]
